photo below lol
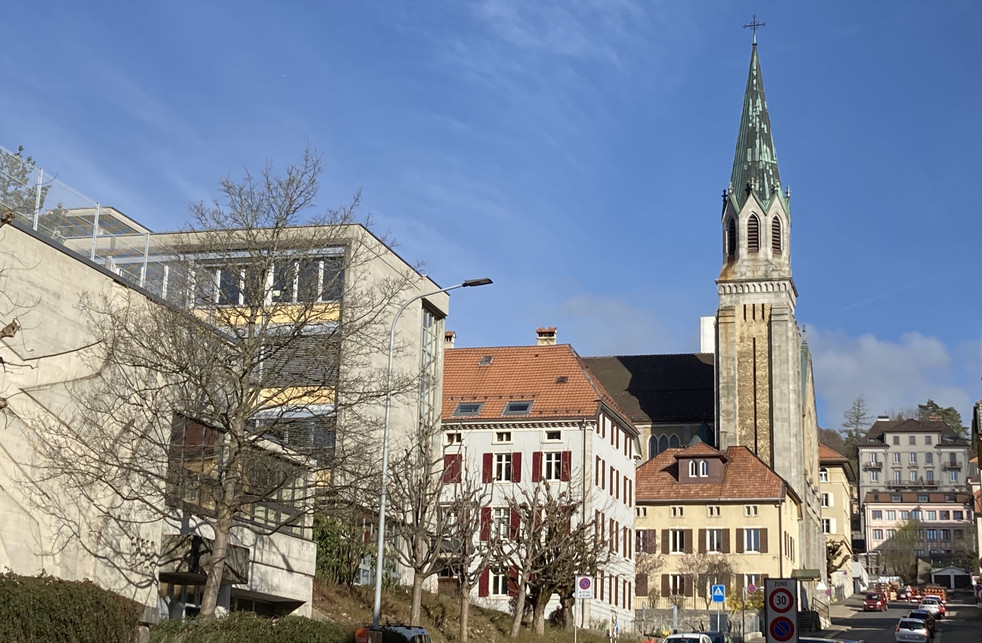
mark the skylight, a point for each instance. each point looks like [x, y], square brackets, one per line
[486, 360]
[518, 408]
[465, 409]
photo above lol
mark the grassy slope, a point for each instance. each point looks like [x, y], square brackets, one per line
[440, 616]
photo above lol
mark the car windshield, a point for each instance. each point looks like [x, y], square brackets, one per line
[872, 597]
[911, 624]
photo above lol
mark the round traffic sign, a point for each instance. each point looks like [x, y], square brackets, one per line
[781, 600]
[751, 589]
[585, 582]
[782, 629]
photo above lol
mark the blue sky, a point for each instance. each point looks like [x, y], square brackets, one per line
[573, 151]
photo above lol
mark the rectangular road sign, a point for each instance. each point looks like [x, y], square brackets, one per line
[584, 587]
[781, 607]
[719, 593]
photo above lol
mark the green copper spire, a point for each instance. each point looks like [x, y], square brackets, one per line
[755, 161]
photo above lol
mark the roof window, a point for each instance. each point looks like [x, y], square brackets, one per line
[518, 408]
[486, 360]
[467, 409]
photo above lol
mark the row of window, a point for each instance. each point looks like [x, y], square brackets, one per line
[616, 439]
[507, 467]
[682, 584]
[684, 541]
[473, 409]
[619, 537]
[617, 482]
[924, 534]
[753, 235]
[919, 514]
[712, 511]
[499, 582]
[913, 475]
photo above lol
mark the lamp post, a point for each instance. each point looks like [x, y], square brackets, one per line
[377, 609]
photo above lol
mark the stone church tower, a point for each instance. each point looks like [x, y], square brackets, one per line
[765, 398]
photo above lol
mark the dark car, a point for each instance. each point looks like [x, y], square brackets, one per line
[395, 634]
[719, 637]
[927, 617]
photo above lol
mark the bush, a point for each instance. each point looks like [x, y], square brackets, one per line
[44, 608]
[246, 627]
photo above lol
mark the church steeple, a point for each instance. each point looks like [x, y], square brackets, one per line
[755, 161]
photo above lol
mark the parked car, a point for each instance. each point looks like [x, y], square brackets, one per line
[912, 630]
[395, 634]
[925, 616]
[688, 637]
[875, 602]
[934, 605]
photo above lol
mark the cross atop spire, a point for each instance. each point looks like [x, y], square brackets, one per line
[754, 26]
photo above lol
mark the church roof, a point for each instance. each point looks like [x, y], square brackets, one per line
[653, 389]
[552, 377]
[755, 161]
[745, 477]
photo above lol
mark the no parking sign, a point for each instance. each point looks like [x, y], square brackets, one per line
[584, 587]
[782, 612]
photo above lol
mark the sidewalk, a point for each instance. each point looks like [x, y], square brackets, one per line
[839, 613]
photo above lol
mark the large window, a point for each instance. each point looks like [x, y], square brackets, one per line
[501, 522]
[877, 534]
[431, 346]
[502, 467]
[499, 582]
[751, 540]
[823, 475]
[714, 540]
[676, 542]
[877, 514]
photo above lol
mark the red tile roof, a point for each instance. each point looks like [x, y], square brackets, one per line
[745, 476]
[698, 450]
[826, 454]
[552, 377]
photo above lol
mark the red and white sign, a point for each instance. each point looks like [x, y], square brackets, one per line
[584, 587]
[781, 604]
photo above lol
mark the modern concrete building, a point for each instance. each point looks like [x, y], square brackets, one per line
[102, 252]
[518, 416]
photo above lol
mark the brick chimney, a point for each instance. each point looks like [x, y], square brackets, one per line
[449, 337]
[545, 336]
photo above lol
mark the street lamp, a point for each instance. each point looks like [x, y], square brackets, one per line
[377, 610]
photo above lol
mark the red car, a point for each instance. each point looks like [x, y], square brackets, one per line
[875, 602]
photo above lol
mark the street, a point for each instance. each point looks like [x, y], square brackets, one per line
[962, 625]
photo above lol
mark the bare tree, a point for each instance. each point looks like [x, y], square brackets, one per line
[248, 394]
[547, 547]
[899, 552]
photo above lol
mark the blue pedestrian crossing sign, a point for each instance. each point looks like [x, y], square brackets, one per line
[719, 593]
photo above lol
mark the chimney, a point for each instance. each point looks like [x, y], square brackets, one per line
[882, 418]
[545, 336]
[449, 338]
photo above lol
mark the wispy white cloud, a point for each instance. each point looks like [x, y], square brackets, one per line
[891, 375]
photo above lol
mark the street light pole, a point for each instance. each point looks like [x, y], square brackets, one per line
[377, 609]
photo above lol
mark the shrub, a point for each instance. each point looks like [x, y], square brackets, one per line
[246, 627]
[44, 608]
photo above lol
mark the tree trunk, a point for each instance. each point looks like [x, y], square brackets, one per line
[216, 564]
[539, 613]
[465, 604]
[417, 603]
[568, 604]
[516, 622]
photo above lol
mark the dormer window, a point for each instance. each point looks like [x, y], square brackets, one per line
[703, 469]
[693, 469]
[753, 233]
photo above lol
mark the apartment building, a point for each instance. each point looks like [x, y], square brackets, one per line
[835, 484]
[516, 416]
[706, 517]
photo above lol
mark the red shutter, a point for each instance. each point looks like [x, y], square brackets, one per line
[451, 467]
[485, 523]
[726, 541]
[740, 540]
[641, 583]
[515, 521]
[483, 582]
[513, 581]
[702, 541]
[536, 466]
[666, 590]
[566, 467]
[488, 469]
[516, 467]
[614, 582]
[596, 472]
[763, 541]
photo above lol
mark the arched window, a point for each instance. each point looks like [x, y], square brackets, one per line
[674, 442]
[823, 475]
[703, 468]
[731, 238]
[662, 443]
[693, 471]
[753, 233]
[652, 447]
[776, 235]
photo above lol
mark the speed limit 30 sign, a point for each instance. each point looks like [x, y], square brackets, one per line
[782, 610]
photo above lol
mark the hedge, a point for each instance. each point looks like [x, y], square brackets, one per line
[246, 627]
[44, 608]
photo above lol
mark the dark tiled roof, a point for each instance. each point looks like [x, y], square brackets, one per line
[659, 388]
[882, 427]
[552, 377]
[744, 477]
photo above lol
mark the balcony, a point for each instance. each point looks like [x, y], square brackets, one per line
[872, 466]
[907, 484]
[952, 466]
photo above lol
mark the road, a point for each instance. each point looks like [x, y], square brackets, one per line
[962, 625]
